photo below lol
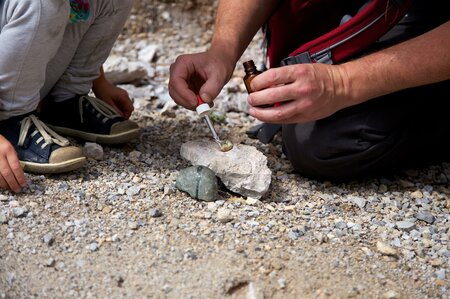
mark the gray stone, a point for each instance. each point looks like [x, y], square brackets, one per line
[405, 225]
[359, 201]
[154, 213]
[93, 150]
[133, 190]
[425, 216]
[48, 239]
[3, 218]
[199, 181]
[119, 70]
[242, 170]
[224, 215]
[19, 212]
[93, 246]
[133, 225]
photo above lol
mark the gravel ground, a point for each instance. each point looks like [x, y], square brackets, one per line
[118, 228]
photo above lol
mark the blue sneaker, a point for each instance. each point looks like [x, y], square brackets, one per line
[88, 118]
[40, 150]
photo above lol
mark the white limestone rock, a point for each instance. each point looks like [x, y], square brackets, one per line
[119, 70]
[242, 170]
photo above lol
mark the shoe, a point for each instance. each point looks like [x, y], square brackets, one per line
[88, 118]
[40, 150]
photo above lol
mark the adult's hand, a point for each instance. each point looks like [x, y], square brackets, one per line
[306, 92]
[202, 74]
[11, 173]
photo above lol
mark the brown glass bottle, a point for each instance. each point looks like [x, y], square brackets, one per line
[250, 72]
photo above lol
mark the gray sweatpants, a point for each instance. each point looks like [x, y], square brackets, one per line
[41, 52]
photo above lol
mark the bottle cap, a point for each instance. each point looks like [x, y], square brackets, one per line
[202, 109]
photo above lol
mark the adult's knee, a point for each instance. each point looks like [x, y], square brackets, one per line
[317, 154]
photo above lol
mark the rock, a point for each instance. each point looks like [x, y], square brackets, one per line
[405, 225]
[3, 218]
[199, 181]
[93, 150]
[93, 246]
[119, 70]
[224, 215]
[148, 53]
[3, 197]
[133, 190]
[50, 262]
[417, 194]
[19, 212]
[48, 239]
[252, 201]
[135, 156]
[391, 295]
[239, 173]
[155, 213]
[386, 249]
[133, 225]
[359, 201]
[425, 216]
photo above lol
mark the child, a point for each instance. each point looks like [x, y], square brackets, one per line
[54, 50]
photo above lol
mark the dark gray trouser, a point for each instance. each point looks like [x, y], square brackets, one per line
[404, 129]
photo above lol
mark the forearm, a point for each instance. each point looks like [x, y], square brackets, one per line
[419, 61]
[236, 23]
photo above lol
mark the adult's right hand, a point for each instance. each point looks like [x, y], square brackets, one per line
[11, 173]
[202, 74]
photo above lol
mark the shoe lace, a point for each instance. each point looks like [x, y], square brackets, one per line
[48, 135]
[100, 107]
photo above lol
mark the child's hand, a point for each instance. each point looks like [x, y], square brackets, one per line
[115, 96]
[11, 173]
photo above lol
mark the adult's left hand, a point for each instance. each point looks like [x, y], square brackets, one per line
[306, 92]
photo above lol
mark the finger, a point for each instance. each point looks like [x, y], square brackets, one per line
[16, 169]
[185, 99]
[282, 114]
[3, 184]
[179, 89]
[273, 77]
[210, 89]
[8, 175]
[272, 95]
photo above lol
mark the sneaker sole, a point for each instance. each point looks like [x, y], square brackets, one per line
[98, 138]
[53, 168]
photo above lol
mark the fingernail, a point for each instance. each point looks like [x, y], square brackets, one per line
[205, 97]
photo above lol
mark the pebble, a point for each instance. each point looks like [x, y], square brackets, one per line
[155, 213]
[359, 201]
[199, 181]
[48, 239]
[386, 249]
[19, 212]
[405, 225]
[3, 218]
[93, 246]
[425, 216]
[133, 225]
[391, 295]
[224, 215]
[93, 150]
[50, 262]
[133, 190]
[252, 201]
[4, 197]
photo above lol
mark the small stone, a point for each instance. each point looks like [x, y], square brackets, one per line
[48, 239]
[425, 216]
[251, 201]
[4, 197]
[417, 194]
[133, 190]
[359, 201]
[3, 218]
[199, 181]
[19, 212]
[50, 262]
[133, 225]
[282, 283]
[93, 150]
[93, 246]
[135, 156]
[391, 295]
[440, 274]
[224, 215]
[405, 225]
[386, 249]
[155, 213]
